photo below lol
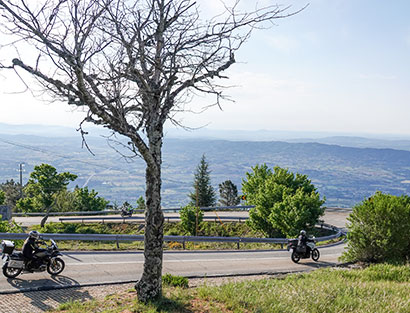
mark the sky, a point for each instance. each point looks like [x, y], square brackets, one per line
[339, 66]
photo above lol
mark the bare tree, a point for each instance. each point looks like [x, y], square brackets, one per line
[132, 64]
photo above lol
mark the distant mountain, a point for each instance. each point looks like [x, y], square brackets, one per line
[344, 175]
[343, 139]
[359, 142]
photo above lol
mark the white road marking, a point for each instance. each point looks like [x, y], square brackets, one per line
[190, 261]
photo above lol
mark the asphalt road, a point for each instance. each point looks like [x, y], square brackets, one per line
[84, 268]
[336, 217]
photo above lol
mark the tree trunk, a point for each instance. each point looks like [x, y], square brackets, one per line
[149, 287]
[44, 219]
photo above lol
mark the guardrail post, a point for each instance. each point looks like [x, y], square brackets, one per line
[238, 246]
[118, 244]
[281, 246]
[183, 244]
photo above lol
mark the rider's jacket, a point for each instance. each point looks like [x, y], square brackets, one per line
[29, 247]
[303, 239]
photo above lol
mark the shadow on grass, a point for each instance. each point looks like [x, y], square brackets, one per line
[165, 304]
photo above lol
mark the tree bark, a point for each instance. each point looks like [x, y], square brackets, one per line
[149, 287]
[44, 219]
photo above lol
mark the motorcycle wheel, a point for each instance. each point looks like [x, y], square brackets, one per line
[315, 255]
[11, 272]
[295, 257]
[55, 266]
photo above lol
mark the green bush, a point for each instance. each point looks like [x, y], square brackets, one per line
[284, 202]
[2, 197]
[379, 229]
[191, 217]
[175, 281]
[9, 227]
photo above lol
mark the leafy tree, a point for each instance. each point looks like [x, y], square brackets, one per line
[191, 218]
[42, 187]
[379, 230]
[228, 194]
[141, 203]
[130, 65]
[64, 201]
[204, 194]
[284, 202]
[2, 197]
[85, 200]
[12, 192]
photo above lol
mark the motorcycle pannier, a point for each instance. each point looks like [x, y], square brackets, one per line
[7, 246]
[301, 249]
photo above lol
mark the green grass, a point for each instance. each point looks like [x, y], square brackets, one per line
[378, 289]
[175, 281]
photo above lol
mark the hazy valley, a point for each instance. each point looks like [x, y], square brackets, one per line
[344, 175]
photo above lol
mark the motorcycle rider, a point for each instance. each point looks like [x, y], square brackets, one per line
[29, 248]
[302, 241]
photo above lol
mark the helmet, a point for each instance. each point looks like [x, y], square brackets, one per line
[34, 234]
[303, 232]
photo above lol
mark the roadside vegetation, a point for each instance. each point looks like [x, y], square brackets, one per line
[378, 288]
[228, 229]
[285, 202]
[379, 229]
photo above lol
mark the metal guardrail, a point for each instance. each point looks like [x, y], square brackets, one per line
[180, 239]
[107, 212]
[142, 219]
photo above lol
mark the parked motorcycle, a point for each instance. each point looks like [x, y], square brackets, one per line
[44, 259]
[299, 252]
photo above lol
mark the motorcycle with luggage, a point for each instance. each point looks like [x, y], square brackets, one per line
[303, 251]
[48, 258]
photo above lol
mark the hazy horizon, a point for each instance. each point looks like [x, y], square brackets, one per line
[338, 67]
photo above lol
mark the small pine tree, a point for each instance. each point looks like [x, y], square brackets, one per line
[204, 194]
[191, 218]
[228, 193]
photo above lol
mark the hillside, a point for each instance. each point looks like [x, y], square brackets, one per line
[345, 175]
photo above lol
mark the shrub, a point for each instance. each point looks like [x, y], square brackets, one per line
[191, 217]
[284, 202]
[9, 227]
[175, 281]
[2, 197]
[379, 229]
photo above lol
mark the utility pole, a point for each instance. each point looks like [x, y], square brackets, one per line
[197, 209]
[21, 179]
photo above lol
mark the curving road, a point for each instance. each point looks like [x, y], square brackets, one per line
[84, 268]
[103, 267]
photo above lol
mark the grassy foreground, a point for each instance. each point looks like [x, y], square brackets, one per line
[378, 288]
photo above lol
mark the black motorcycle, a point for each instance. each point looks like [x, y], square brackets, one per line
[303, 252]
[44, 259]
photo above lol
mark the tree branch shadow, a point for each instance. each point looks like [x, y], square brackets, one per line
[50, 291]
